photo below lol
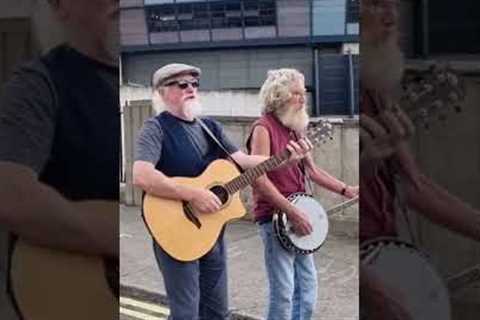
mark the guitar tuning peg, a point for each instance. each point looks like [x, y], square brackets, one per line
[437, 104]
[453, 97]
[423, 113]
[427, 87]
[452, 79]
[413, 97]
[441, 78]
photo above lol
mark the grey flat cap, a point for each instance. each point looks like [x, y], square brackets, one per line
[168, 71]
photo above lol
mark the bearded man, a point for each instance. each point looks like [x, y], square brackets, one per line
[292, 277]
[391, 180]
[174, 144]
[59, 129]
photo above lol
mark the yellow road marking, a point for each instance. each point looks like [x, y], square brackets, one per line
[139, 315]
[144, 305]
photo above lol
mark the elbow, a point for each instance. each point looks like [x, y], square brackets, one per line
[140, 179]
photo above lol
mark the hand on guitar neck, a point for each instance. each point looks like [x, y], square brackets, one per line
[205, 201]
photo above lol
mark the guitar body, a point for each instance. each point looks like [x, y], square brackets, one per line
[47, 284]
[175, 233]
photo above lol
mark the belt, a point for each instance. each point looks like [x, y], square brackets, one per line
[264, 220]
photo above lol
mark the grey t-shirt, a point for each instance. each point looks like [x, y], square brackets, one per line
[28, 108]
[149, 143]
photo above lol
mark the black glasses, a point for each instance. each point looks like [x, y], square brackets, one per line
[183, 84]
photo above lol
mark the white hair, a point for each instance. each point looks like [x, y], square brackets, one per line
[275, 91]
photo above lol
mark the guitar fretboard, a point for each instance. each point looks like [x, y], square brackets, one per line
[250, 175]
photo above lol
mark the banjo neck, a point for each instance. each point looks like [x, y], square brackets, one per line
[341, 206]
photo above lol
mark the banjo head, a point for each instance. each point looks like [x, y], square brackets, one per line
[403, 267]
[318, 218]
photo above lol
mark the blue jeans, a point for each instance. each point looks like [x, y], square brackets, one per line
[292, 280]
[196, 289]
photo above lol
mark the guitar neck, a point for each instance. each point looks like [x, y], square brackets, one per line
[250, 175]
[464, 278]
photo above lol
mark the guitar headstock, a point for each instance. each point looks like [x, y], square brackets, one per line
[432, 94]
[320, 131]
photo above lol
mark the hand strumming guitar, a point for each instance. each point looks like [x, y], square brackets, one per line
[203, 200]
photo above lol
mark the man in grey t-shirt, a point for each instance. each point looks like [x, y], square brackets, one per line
[30, 104]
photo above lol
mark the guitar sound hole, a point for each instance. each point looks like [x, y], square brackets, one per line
[221, 193]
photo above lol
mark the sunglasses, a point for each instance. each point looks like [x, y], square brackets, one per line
[183, 84]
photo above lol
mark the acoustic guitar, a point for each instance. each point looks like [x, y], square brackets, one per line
[186, 235]
[50, 284]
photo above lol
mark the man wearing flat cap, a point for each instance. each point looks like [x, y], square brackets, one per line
[174, 144]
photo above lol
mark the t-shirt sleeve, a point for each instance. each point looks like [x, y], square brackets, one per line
[28, 108]
[149, 142]
[223, 138]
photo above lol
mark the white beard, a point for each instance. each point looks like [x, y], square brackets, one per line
[194, 107]
[381, 66]
[296, 120]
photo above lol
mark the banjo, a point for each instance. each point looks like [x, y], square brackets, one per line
[401, 265]
[317, 216]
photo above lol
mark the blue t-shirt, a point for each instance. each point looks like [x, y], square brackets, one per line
[152, 142]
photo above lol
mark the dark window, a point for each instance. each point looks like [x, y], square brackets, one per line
[353, 7]
[212, 14]
[455, 21]
[162, 18]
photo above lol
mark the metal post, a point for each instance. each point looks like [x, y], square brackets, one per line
[352, 83]
[316, 109]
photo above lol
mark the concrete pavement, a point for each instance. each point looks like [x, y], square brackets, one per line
[337, 265]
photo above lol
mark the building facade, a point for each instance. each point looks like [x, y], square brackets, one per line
[236, 42]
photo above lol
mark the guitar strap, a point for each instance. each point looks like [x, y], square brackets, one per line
[301, 164]
[212, 136]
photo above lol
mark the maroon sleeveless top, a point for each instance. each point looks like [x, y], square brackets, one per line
[288, 179]
[377, 214]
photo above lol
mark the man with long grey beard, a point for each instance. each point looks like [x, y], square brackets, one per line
[291, 276]
[171, 144]
[386, 159]
[59, 146]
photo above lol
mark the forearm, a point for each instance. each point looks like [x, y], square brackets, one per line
[248, 161]
[323, 179]
[156, 183]
[443, 208]
[40, 215]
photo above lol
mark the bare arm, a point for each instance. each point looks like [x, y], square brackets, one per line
[40, 215]
[248, 161]
[324, 179]
[443, 208]
[154, 182]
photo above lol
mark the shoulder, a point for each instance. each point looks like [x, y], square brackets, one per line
[30, 89]
[262, 124]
